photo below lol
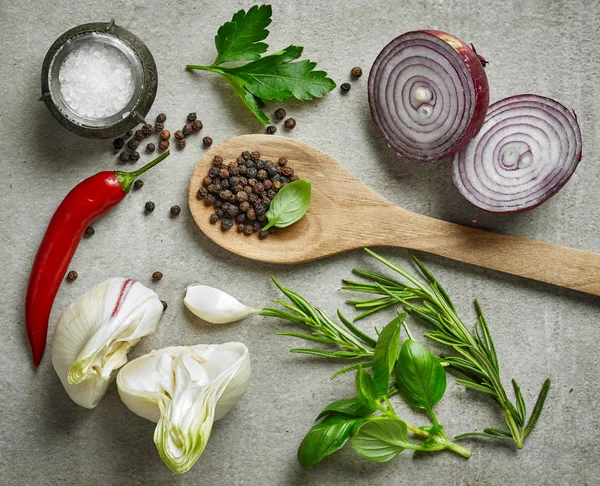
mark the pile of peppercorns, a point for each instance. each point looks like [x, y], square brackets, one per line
[241, 191]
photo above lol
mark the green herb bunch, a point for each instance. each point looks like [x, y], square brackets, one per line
[271, 77]
[369, 421]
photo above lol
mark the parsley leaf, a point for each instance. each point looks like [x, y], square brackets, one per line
[271, 77]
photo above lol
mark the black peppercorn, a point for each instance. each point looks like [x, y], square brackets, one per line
[129, 133]
[345, 87]
[180, 144]
[290, 123]
[202, 193]
[187, 129]
[287, 171]
[261, 218]
[240, 217]
[226, 195]
[250, 163]
[161, 118]
[268, 183]
[138, 184]
[219, 212]
[163, 145]
[175, 210]
[244, 205]
[147, 129]
[213, 218]
[135, 155]
[226, 223]
[157, 276]
[139, 135]
[213, 172]
[232, 211]
[191, 117]
[150, 148]
[207, 141]
[210, 199]
[263, 234]
[252, 172]
[133, 144]
[241, 196]
[164, 304]
[285, 180]
[356, 72]
[259, 187]
[124, 157]
[118, 143]
[255, 156]
[197, 125]
[225, 183]
[260, 164]
[251, 214]
[280, 113]
[282, 161]
[256, 225]
[260, 209]
[245, 155]
[261, 174]
[248, 229]
[223, 173]
[72, 275]
[89, 231]
[271, 193]
[179, 135]
[240, 228]
[271, 129]
[149, 206]
[159, 127]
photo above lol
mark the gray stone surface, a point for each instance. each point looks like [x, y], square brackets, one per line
[547, 47]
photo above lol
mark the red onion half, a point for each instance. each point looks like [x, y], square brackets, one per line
[428, 94]
[527, 149]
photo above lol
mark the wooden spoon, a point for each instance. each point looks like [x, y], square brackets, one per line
[346, 214]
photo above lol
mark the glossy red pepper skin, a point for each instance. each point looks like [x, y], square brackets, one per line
[87, 201]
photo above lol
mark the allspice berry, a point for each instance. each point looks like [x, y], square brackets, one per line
[207, 141]
[163, 145]
[356, 72]
[72, 275]
[165, 135]
[157, 276]
[290, 123]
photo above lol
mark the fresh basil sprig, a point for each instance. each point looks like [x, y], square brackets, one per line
[272, 77]
[289, 205]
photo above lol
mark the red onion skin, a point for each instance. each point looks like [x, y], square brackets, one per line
[475, 66]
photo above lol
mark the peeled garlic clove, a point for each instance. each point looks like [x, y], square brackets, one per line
[214, 305]
[185, 389]
[94, 334]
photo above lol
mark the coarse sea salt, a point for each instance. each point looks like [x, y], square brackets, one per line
[96, 81]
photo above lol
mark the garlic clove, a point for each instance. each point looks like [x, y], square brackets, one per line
[94, 334]
[185, 389]
[214, 305]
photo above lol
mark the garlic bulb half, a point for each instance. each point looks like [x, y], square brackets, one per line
[185, 389]
[214, 305]
[94, 334]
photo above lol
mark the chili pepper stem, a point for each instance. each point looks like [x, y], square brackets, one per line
[126, 179]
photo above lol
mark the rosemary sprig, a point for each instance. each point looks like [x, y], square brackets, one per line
[475, 356]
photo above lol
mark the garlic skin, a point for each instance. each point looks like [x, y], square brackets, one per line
[94, 334]
[214, 305]
[185, 389]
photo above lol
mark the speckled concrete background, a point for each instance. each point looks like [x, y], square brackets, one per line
[547, 47]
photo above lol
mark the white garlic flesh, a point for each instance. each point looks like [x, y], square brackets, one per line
[94, 334]
[214, 305]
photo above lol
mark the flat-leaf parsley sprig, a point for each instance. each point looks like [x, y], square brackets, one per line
[271, 77]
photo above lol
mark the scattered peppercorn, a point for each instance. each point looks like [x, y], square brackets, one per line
[139, 135]
[179, 135]
[271, 129]
[150, 148]
[187, 129]
[135, 155]
[159, 127]
[165, 135]
[89, 231]
[72, 275]
[133, 144]
[290, 124]
[138, 184]
[163, 145]
[129, 133]
[356, 72]
[191, 117]
[149, 206]
[147, 129]
[118, 143]
[197, 125]
[180, 144]
[345, 87]
[207, 141]
[157, 276]
[280, 113]
[161, 118]
[175, 210]
[124, 157]
[164, 303]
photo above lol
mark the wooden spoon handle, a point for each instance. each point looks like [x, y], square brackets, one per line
[554, 264]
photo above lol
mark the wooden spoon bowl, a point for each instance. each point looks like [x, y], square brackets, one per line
[346, 214]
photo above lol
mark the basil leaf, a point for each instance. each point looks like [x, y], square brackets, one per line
[365, 388]
[324, 439]
[289, 205]
[352, 407]
[386, 354]
[420, 376]
[380, 439]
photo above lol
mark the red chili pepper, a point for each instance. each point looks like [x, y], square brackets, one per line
[85, 203]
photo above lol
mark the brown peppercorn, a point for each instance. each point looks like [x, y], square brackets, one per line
[226, 195]
[251, 214]
[72, 275]
[147, 129]
[356, 72]
[287, 171]
[210, 199]
[175, 210]
[202, 193]
[244, 206]
[280, 113]
[263, 234]
[165, 135]
[259, 188]
[149, 206]
[133, 144]
[217, 160]
[161, 118]
[179, 135]
[345, 87]
[255, 155]
[135, 155]
[139, 135]
[271, 129]
[150, 148]
[197, 125]
[163, 145]
[207, 141]
[187, 129]
[180, 144]
[240, 228]
[256, 225]
[124, 157]
[268, 184]
[248, 229]
[191, 117]
[213, 218]
[157, 276]
[290, 124]
[277, 185]
[206, 181]
[241, 196]
[164, 305]
[248, 189]
[242, 181]
[89, 231]
[282, 161]
[271, 193]
[159, 127]
[261, 174]
[138, 184]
